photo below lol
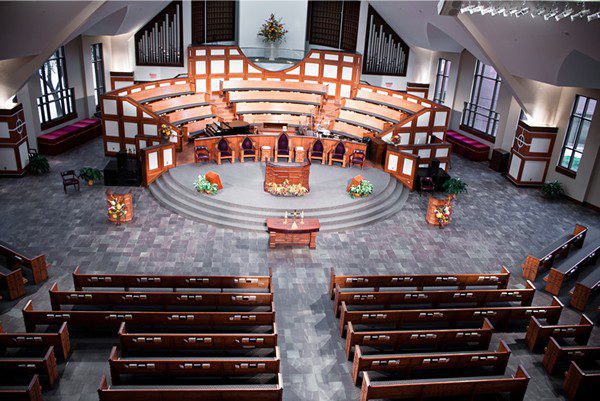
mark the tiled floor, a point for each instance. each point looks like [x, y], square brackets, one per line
[494, 224]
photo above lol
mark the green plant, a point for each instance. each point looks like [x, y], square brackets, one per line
[203, 185]
[552, 190]
[455, 186]
[90, 174]
[364, 188]
[38, 164]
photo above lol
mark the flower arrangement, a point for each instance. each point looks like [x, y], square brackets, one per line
[363, 189]
[117, 210]
[166, 132]
[442, 214]
[286, 189]
[203, 185]
[272, 30]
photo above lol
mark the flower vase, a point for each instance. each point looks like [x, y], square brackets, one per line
[272, 51]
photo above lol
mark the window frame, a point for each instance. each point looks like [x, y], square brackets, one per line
[97, 55]
[441, 79]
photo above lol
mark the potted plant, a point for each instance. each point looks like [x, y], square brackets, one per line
[455, 186]
[90, 175]
[552, 190]
[38, 164]
[272, 31]
[363, 189]
[203, 185]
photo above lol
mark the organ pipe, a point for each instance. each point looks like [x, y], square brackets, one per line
[159, 42]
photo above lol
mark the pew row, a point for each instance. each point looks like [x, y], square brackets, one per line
[273, 96]
[544, 259]
[12, 282]
[583, 289]
[193, 114]
[44, 366]
[128, 281]
[285, 119]
[193, 340]
[345, 129]
[381, 112]
[12, 391]
[178, 103]
[243, 108]
[161, 92]
[538, 334]
[195, 128]
[388, 101]
[581, 384]
[419, 281]
[264, 392]
[470, 387]
[574, 264]
[281, 86]
[408, 364]
[365, 121]
[434, 297]
[59, 340]
[110, 319]
[557, 356]
[154, 298]
[430, 339]
[400, 317]
[37, 264]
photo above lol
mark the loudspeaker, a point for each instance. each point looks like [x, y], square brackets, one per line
[434, 167]
[122, 160]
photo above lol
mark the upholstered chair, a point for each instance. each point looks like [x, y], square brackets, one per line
[426, 184]
[201, 154]
[248, 149]
[224, 151]
[317, 151]
[338, 154]
[357, 157]
[283, 148]
[69, 178]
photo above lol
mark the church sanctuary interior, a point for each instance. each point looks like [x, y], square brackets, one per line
[262, 200]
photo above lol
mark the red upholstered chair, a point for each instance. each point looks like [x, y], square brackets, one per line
[224, 151]
[357, 157]
[317, 151]
[426, 184]
[201, 154]
[248, 149]
[69, 178]
[282, 149]
[338, 154]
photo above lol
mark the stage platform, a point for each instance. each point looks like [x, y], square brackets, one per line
[243, 204]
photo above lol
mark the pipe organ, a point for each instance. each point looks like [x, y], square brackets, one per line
[159, 42]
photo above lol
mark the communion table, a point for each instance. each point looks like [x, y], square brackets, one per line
[289, 232]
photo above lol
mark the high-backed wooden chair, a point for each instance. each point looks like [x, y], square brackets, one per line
[248, 149]
[338, 154]
[201, 154]
[317, 151]
[224, 151]
[69, 178]
[357, 157]
[282, 149]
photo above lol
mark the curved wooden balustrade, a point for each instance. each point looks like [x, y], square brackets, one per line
[274, 108]
[273, 96]
[180, 102]
[162, 92]
[188, 115]
[284, 86]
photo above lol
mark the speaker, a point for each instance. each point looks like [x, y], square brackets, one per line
[434, 167]
[122, 160]
[499, 161]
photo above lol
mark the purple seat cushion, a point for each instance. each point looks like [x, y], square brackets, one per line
[472, 143]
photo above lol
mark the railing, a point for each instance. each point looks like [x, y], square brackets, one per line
[480, 119]
[274, 56]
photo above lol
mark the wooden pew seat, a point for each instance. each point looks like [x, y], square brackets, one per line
[12, 282]
[273, 96]
[574, 264]
[192, 114]
[264, 85]
[368, 122]
[15, 258]
[538, 334]
[179, 103]
[388, 101]
[243, 108]
[581, 381]
[348, 130]
[44, 365]
[59, 340]
[20, 388]
[557, 356]
[582, 291]
[284, 119]
[161, 92]
[382, 112]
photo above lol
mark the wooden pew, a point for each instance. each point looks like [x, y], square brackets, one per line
[193, 340]
[12, 282]
[557, 357]
[264, 392]
[282, 86]
[285, 119]
[581, 384]
[362, 120]
[273, 96]
[567, 268]
[388, 101]
[419, 281]
[434, 297]
[193, 114]
[109, 319]
[59, 340]
[127, 281]
[12, 391]
[274, 108]
[538, 334]
[44, 366]
[180, 102]
[381, 112]
[161, 92]
[584, 289]
[408, 364]
[400, 317]
[430, 339]
[190, 366]
[345, 129]
[37, 264]
[154, 298]
[516, 386]
[193, 128]
[545, 258]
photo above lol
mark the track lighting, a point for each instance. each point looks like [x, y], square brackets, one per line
[557, 11]
[594, 16]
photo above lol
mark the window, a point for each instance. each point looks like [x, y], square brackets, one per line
[98, 71]
[56, 104]
[479, 115]
[333, 24]
[441, 81]
[579, 126]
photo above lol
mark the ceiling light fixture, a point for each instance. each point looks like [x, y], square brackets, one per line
[556, 10]
[594, 16]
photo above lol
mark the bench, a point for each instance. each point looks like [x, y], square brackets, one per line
[37, 264]
[213, 300]
[583, 289]
[348, 130]
[192, 114]
[59, 340]
[394, 102]
[13, 391]
[410, 364]
[381, 112]
[23, 366]
[179, 392]
[419, 281]
[469, 387]
[545, 258]
[128, 281]
[538, 334]
[109, 319]
[581, 384]
[362, 120]
[67, 137]
[574, 264]
[430, 339]
[195, 128]
[434, 297]
[557, 356]
[467, 147]
[282, 86]
[232, 97]
[161, 92]
[178, 103]
[401, 317]
[191, 366]
[243, 108]
[194, 340]
[12, 281]
[284, 119]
